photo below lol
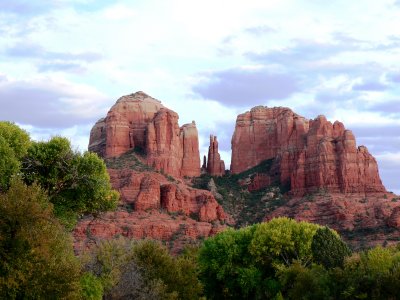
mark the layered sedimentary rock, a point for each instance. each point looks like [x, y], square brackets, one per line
[150, 190]
[362, 220]
[176, 230]
[142, 123]
[215, 165]
[308, 154]
[159, 208]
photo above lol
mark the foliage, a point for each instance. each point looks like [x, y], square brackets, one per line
[288, 259]
[75, 183]
[242, 264]
[227, 267]
[246, 207]
[144, 270]
[36, 257]
[14, 143]
[92, 288]
[328, 248]
[281, 241]
[372, 274]
[300, 282]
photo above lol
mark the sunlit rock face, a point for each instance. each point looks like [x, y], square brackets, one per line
[214, 165]
[140, 122]
[309, 154]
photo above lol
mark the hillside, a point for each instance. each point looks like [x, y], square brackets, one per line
[282, 165]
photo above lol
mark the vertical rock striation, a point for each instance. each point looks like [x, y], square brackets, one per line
[215, 166]
[308, 154]
[141, 123]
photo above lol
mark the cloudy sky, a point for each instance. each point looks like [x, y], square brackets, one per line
[63, 63]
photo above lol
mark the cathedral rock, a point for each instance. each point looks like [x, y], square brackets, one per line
[308, 154]
[141, 123]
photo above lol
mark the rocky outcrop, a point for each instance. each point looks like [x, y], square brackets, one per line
[215, 165]
[150, 190]
[362, 220]
[308, 154]
[175, 230]
[141, 123]
[154, 206]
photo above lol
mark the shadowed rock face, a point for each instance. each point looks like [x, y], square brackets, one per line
[310, 154]
[140, 122]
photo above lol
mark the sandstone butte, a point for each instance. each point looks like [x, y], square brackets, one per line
[140, 122]
[308, 155]
[155, 203]
[332, 181]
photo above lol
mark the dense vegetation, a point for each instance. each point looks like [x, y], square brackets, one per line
[36, 257]
[75, 183]
[45, 186]
[246, 207]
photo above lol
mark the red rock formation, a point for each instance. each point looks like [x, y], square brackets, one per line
[310, 154]
[162, 209]
[259, 181]
[362, 220]
[176, 229]
[150, 190]
[140, 122]
[215, 166]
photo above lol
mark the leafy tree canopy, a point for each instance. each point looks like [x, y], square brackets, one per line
[143, 270]
[328, 248]
[36, 256]
[75, 183]
[283, 240]
[14, 143]
[242, 264]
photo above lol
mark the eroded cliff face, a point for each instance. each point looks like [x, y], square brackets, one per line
[362, 220]
[149, 158]
[308, 154]
[154, 206]
[331, 181]
[140, 122]
[215, 166]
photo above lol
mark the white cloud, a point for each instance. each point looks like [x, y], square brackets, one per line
[119, 12]
[166, 47]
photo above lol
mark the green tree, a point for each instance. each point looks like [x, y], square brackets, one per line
[179, 275]
[75, 183]
[36, 255]
[228, 270]
[300, 282]
[143, 270]
[328, 248]
[242, 264]
[14, 143]
[371, 274]
[281, 241]
[92, 287]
